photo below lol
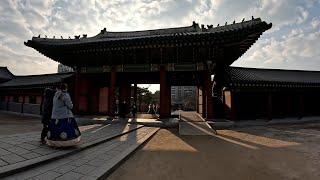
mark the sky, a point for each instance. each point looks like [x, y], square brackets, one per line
[292, 43]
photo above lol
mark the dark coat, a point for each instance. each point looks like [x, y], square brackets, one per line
[47, 105]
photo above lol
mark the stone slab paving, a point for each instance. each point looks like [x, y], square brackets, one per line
[22, 151]
[96, 162]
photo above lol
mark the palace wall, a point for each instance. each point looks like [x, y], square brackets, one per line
[245, 105]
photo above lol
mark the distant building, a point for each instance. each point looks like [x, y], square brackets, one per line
[252, 93]
[23, 94]
[182, 97]
[63, 69]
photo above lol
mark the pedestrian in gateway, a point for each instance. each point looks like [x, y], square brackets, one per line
[134, 110]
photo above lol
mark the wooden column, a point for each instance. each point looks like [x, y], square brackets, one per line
[165, 95]
[289, 105]
[233, 106]
[204, 102]
[301, 105]
[22, 103]
[233, 112]
[208, 91]
[112, 93]
[41, 105]
[93, 101]
[77, 92]
[7, 99]
[197, 99]
[270, 106]
[135, 88]
[125, 95]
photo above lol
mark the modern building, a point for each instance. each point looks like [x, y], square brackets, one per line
[183, 97]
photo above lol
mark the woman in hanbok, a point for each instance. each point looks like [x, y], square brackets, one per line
[63, 128]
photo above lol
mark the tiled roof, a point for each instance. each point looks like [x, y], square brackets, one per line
[35, 80]
[225, 44]
[105, 36]
[5, 74]
[239, 76]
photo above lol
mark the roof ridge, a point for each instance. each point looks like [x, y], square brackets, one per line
[64, 73]
[193, 28]
[274, 69]
[8, 71]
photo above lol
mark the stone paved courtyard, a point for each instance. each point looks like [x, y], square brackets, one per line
[23, 150]
[13, 124]
[255, 152]
[91, 163]
[272, 152]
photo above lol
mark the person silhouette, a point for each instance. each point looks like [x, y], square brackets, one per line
[63, 129]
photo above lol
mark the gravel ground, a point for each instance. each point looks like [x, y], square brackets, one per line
[274, 152]
[16, 124]
[13, 124]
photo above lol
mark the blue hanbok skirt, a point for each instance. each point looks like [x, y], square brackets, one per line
[63, 132]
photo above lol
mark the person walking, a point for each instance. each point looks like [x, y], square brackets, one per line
[134, 110]
[154, 109]
[46, 112]
[63, 128]
[149, 109]
[122, 109]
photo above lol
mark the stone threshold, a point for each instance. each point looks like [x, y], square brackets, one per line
[227, 124]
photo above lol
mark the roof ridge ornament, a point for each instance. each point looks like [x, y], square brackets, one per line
[210, 26]
[202, 27]
[194, 24]
[104, 30]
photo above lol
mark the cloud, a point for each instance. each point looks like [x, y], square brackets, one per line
[22, 64]
[292, 42]
[298, 50]
[315, 22]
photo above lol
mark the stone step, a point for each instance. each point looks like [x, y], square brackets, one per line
[191, 123]
[17, 147]
[92, 163]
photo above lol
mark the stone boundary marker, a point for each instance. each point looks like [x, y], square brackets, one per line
[89, 142]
